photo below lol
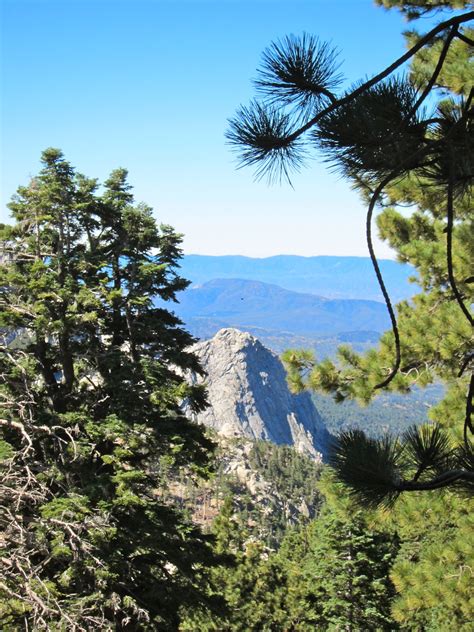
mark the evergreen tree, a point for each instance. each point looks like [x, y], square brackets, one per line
[329, 574]
[250, 585]
[423, 556]
[432, 335]
[432, 571]
[90, 401]
[392, 140]
[345, 571]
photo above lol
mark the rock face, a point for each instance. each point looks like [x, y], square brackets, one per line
[249, 395]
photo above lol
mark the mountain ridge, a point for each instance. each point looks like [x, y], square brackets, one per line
[326, 275]
[253, 304]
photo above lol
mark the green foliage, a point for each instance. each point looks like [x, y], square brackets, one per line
[303, 70]
[6, 451]
[346, 568]
[356, 136]
[414, 9]
[457, 71]
[383, 139]
[327, 574]
[294, 479]
[371, 467]
[419, 155]
[250, 585]
[272, 488]
[293, 474]
[378, 470]
[431, 572]
[92, 401]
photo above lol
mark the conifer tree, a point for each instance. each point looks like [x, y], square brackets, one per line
[431, 572]
[90, 401]
[235, 579]
[329, 574]
[421, 557]
[345, 582]
[400, 140]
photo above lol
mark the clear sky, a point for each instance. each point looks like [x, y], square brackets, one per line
[149, 85]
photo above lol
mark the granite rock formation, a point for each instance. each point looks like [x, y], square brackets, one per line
[249, 396]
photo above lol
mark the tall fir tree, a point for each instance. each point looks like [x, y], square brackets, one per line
[90, 399]
[338, 566]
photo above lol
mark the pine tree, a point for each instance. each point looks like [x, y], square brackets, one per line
[397, 147]
[432, 334]
[90, 399]
[251, 580]
[431, 572]
[337, 567]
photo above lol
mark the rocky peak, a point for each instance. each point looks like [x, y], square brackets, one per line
[249, 395]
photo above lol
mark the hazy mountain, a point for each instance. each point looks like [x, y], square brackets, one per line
[249, 396]
[332, 277]
[255, 305]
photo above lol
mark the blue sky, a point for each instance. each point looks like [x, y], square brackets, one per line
[149, 85]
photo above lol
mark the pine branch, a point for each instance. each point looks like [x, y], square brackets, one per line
[279, 140]
[300, 71]
[439, 66]
[464, 38]
[449, 244]
[375, 470]
[456, 21]
[468, 425]
[438, 482]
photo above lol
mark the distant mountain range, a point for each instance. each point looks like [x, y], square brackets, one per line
[280, 317]
[331, 277]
